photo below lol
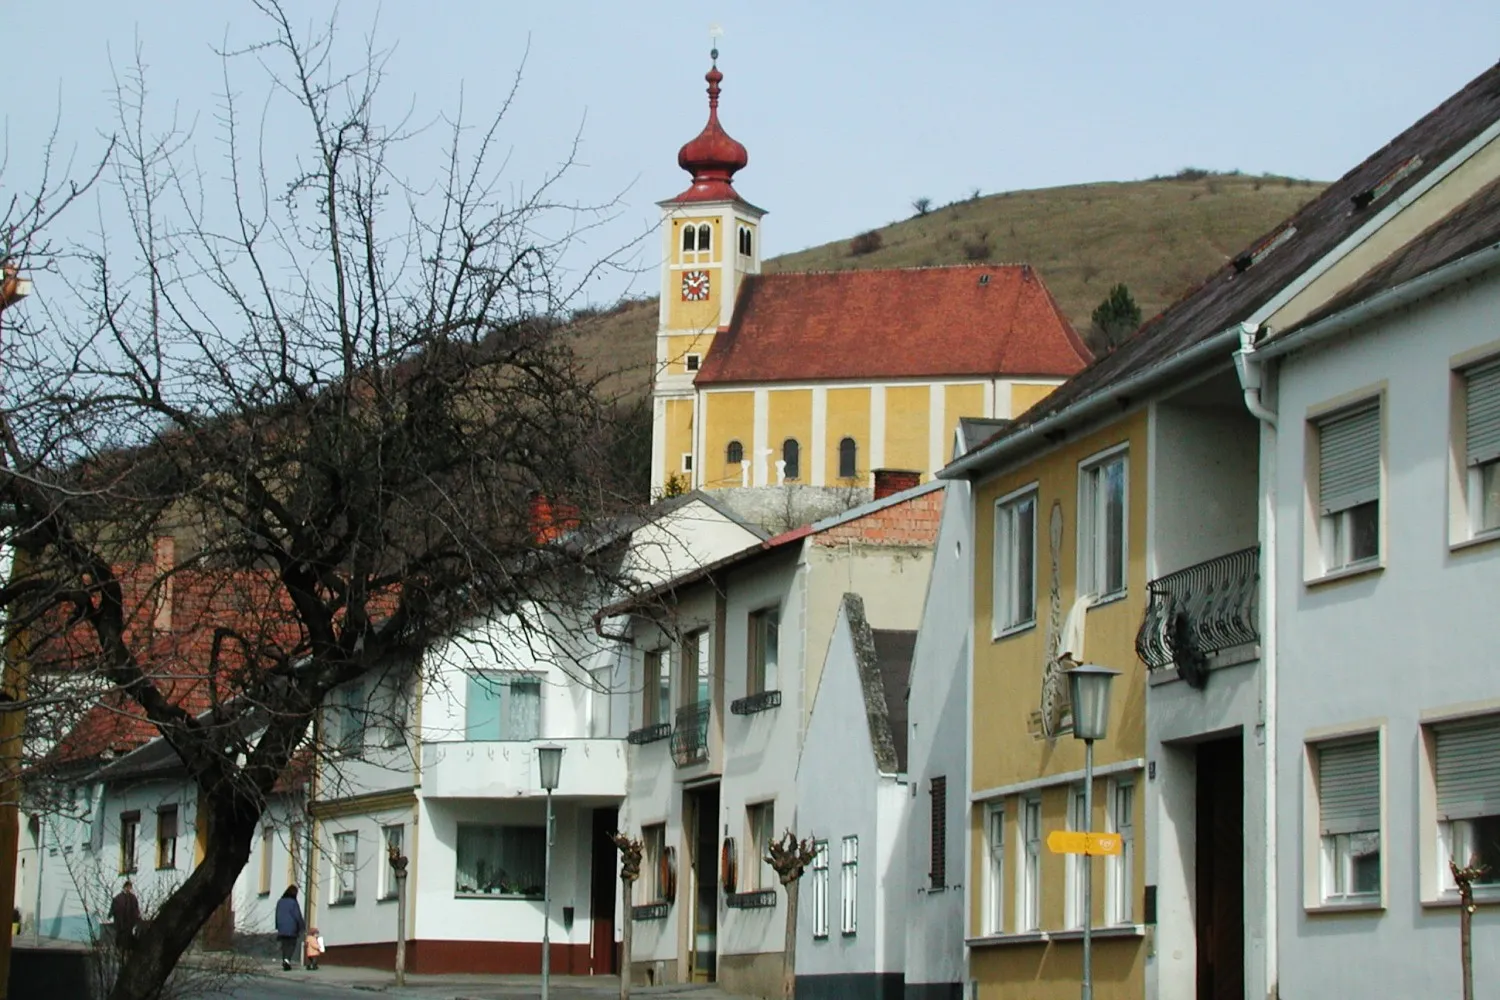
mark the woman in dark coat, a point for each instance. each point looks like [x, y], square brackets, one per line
[289, 925]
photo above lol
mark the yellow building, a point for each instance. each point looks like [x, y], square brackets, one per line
[1059, 577]
[822, 378]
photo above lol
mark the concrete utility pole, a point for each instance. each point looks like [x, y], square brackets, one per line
[398, 866]
[13, 684]
[630, 870]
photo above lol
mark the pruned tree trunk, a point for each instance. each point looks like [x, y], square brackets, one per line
[789, 858]
[630, 870]
[1464, 878]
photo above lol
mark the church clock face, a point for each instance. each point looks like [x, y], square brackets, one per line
[694, 286]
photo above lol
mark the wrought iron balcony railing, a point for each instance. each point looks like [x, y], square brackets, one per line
[690, 735]
[760, 899]
[1196, 612]
[750, 704]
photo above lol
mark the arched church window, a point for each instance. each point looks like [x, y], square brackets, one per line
[734, 454]
[745, 241]
[689, 239]
[848, 456]
[791, 453]
[705, 238]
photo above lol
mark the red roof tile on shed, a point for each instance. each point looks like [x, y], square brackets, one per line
[968, 320]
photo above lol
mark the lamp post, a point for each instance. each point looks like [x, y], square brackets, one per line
[1088, 689]
[549, 762]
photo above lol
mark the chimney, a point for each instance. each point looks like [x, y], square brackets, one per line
[888, 481]
[551, 520]
[165, 562]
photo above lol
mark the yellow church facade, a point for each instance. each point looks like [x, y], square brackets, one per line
[821, 378]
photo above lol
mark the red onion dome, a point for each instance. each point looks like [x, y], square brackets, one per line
[713, 157]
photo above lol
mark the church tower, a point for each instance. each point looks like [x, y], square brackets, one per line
[710, 241]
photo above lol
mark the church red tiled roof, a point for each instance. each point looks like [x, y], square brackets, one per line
[927, 322]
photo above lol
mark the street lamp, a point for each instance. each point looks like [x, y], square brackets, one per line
[549, 762]
[1088, 691]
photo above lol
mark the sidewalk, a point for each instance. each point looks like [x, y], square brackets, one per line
[484, 987]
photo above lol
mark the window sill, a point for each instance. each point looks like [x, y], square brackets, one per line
[342, 902]
[1104, 599]
[1327, 907]
[1006, 940]
[1011, 630]
[166, 868]
[1488, 895]
[1112, 931]
[1479, 540]
[1021, 938]
[496, 895]
[266, 894]
[386, 899]
[1346, 573]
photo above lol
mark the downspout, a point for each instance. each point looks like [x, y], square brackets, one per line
[1248, 367]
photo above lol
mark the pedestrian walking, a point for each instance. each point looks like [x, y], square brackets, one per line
[125, 913]
[289, 925]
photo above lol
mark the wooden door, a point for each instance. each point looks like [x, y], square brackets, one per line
[603, 955]
[1221, 870]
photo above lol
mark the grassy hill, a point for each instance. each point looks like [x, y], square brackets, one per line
[1160, 237]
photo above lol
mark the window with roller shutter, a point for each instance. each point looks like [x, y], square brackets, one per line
[1348, 487]
[1466, 778]
[1482, 445]
[1348, 785]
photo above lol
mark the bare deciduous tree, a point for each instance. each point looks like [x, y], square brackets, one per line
[340, 393]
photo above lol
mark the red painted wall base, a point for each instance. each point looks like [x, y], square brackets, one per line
[441, 957]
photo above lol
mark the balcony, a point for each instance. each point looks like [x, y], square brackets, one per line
[1197, 612]
[690, 735]
[475, 769]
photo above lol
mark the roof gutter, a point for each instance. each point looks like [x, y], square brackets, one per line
[1384, 302]
[992, 454]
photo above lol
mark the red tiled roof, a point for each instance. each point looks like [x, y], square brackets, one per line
[969, 320]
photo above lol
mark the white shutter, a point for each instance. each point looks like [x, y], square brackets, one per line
[1468, 768]
[1349, 786]
[1349, 459]
[1482, 413]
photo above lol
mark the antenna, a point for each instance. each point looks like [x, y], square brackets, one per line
[715, 32]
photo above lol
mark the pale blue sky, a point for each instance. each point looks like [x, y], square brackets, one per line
[849, 109]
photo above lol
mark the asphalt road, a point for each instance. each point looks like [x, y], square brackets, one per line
[268, 988]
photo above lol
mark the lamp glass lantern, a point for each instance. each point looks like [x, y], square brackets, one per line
[1088, 688]
[549, 761]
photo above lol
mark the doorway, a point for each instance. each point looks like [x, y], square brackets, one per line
[702, 808]
[604, 859]
[1220, 859]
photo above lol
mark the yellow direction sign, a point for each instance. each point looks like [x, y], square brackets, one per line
[1080, 842]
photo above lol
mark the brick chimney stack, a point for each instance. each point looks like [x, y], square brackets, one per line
[889, 481]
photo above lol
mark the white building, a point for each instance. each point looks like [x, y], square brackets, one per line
[441, 762]
[727, 662]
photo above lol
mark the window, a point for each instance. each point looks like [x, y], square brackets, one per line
[395, 837]
[166, 837]
[503, 706]
[734, 454]
[653, 845]
[1101, 527]
[747, 242]
[1482, 445]
[820, 889]
[1029, 900]
[849, 887]
[267, 843]
[130, 829]
[1015, 562]
[1349, 487]
[658, 705]
[1466, 765]
[937, 867]
[500, 860]
[689, 238]
[1348, 785]
[761, 820]
[692, 361]
[791, 453]
[705, 238]
[349, 719]
[1119, 869]
[395, 714]
[294, 871]
[765, 638]
[695, 664]
[345, 863]
[687, 461]
[994, 885]
[1078, 819]
[848, 459]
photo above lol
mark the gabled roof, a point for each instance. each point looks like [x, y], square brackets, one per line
[983, 320]
[877, 657]
[1253, 278]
